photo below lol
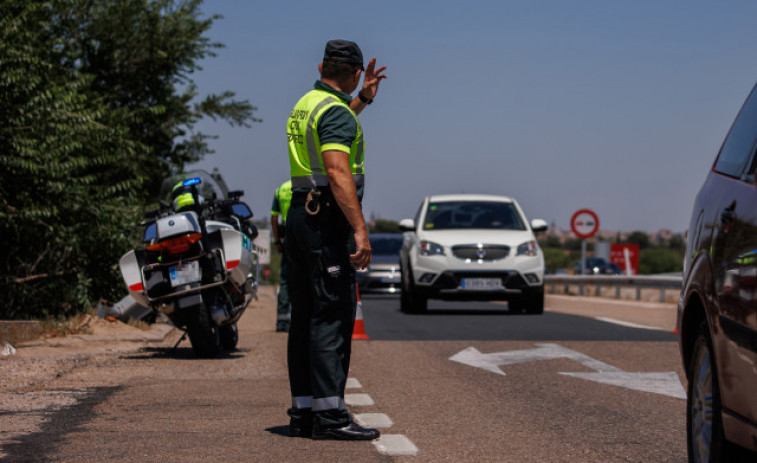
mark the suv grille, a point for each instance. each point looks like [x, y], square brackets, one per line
[484, 252]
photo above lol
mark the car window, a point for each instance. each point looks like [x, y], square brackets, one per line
[386, 246]
[738, 146]
[494, 215]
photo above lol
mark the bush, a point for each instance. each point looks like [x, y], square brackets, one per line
[660, 260]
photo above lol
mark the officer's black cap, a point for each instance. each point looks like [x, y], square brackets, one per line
[343, 51]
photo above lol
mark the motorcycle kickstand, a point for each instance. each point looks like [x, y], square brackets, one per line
[183, 337]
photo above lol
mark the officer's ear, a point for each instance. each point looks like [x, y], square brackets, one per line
[356, 76]
[320, 68]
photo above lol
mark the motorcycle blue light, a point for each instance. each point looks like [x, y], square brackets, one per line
[192, 181]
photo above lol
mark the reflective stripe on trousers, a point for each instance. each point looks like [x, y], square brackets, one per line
[326, 403]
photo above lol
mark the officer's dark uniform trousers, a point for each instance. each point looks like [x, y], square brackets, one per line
[284, 307]
[322, 310]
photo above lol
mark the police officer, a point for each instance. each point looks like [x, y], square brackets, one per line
[326, 157]
[282, 197]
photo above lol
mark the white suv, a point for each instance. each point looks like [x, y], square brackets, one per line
[471, 247]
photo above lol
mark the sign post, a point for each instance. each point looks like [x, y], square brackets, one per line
[584, 224]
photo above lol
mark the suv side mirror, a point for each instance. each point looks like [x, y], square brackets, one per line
[539, 225]
[407, 225]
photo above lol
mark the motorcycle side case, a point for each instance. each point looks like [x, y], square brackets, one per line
[131, 269]
[237, 248]
[215, 225]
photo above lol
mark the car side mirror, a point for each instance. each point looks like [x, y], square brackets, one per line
[407, 225]
[539, 225]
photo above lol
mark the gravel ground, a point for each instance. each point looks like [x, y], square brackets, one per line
[28, 396]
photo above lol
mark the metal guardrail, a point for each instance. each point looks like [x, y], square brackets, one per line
[661, 282]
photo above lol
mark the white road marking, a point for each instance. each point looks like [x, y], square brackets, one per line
[373, 420]
[353, 383]
[491, 362]
[666, 383]
[388, 444]
[628, 324]
[358, 400]
[395, 444]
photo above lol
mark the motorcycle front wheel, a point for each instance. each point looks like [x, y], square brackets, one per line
[203, 333]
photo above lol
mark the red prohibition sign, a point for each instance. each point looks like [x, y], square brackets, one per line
[584, 223]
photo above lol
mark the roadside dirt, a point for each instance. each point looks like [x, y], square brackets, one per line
[48, 375]
[42, 360]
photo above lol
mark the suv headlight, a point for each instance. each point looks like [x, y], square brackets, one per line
[429, 248]
[527, 249]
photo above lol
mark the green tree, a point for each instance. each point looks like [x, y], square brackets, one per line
[141, 55]
[677, 242]
[556, 259]
[62, 216]
[660, 260]
[91, 117]
[384, 226]
[640, 238]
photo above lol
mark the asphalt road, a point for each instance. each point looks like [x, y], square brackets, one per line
[472, 320]
[465, 383]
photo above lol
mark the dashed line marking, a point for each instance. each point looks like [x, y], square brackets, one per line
[386, 444]
[373, 420]
[395, 445]
[353, 383]
[628, 324]
[358, 400]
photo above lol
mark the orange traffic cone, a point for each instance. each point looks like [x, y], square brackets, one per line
[359, 331]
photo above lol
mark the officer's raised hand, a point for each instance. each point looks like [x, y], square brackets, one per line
[372, 79]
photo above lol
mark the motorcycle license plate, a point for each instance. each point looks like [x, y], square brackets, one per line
[481, 284]
[188, 272]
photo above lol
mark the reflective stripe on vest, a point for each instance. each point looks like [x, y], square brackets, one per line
[305, 149]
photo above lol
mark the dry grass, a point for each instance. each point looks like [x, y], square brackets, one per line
[55, 327]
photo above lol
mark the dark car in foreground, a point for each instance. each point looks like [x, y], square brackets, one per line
[717, 309]
[383, 273]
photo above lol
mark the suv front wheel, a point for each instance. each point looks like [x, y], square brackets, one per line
[410, 300]
[531, 302]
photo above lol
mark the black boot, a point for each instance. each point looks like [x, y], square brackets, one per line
[350, 432]
[301, 422]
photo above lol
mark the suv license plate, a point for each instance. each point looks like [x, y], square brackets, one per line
[188, 272]
[481, 284]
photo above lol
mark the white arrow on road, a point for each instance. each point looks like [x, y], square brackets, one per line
[666, 383]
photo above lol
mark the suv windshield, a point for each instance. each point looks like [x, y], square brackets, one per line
[472, 214]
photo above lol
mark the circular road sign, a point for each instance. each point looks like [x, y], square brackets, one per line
[584, 223]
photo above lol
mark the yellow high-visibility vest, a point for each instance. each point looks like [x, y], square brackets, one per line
[305, 149]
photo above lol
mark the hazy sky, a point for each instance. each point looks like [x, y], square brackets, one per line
[616, 106]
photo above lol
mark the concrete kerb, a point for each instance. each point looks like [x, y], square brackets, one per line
[16, 332]
[25, 334]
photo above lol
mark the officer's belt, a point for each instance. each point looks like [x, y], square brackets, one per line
[322, 181]
[299, 197]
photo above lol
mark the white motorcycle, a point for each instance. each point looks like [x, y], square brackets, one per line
[198, 266]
